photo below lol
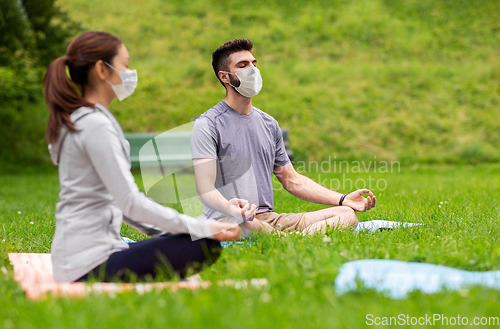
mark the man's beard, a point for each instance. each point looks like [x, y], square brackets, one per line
[234, 81]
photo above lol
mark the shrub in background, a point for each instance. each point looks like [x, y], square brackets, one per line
[32, 34]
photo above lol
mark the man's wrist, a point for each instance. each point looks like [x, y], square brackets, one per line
[342, 199]
[227, 208]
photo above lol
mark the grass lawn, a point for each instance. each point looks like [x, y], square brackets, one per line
[413, 80]
[462, 232]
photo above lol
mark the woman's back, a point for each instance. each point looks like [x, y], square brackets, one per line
[85, 205]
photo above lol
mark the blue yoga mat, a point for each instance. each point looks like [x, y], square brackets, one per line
[371, 226]
[227, 244]
[396, 278]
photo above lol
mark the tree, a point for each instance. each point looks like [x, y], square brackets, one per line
[32, 34]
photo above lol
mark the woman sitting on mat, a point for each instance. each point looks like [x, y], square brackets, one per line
[98, 190]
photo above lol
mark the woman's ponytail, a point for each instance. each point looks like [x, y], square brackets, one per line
[62, 98]
[64, 94]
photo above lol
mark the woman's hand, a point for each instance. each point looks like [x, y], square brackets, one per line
[225, 231]
[358, 203]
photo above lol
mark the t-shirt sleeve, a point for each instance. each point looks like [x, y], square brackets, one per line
[203, 144]
[281, 157]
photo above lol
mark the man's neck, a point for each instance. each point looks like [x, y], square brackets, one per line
[240, 104]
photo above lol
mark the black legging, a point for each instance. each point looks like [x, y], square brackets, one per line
[169, 255]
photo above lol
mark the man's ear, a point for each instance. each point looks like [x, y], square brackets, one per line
[100, 70]
[223, 76]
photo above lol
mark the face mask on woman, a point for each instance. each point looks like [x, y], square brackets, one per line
[250, 81]
[128, 85]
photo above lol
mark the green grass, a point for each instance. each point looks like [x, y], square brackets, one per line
[463, 233]
[407, 80]
[413, 80]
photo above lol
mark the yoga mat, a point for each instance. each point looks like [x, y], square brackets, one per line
[34, 274]
[374, 225]
[395, 279]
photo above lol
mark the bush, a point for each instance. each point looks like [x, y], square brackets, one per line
[33, 33]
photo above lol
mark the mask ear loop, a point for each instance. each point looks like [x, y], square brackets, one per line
[110, 66]
[113, 69]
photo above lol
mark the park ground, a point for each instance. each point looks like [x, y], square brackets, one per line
[457, 205]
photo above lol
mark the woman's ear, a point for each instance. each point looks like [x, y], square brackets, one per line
[100, 70]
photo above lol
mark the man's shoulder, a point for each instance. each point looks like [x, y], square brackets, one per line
[216, 111]
[266, 117]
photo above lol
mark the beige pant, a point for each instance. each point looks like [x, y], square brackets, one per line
[283, 222]
[311, 222]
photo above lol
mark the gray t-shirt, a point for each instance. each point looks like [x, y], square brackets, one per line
[247, 149]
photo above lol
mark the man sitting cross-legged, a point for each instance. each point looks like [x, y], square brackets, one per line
[237, 147]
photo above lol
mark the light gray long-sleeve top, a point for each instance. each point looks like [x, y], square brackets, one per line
[97, 191]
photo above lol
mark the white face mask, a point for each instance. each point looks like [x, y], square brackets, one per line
[128, 85]
[250, 81]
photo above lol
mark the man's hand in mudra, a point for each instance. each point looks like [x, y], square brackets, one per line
[357, 202]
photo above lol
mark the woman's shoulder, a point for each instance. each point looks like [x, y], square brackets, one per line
[85, 117]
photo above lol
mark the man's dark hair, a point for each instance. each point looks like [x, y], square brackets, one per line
[220, 57]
